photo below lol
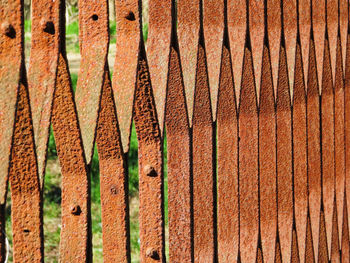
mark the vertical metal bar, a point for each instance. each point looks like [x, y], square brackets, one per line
[158, 49]
[213, 29]
[248, 164]
[327, 135]
[343, 25]
[26, 212]
[42, 72]
[300, 154]
[332, 14]
[94, 41]
[114, 183]
[267, 161]
[180, 182]
[150, 168]
[314, 149]
[188, 34]
[284, 159]
[128, 31]
[227, 158]
[237, 31]
[75, 243]
[345, 248]
[203, 167]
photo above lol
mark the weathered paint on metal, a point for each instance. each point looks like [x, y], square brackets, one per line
[113, 177]
[332, 32]
[158, 50]
[290, 28]
[300, 155]
[188, 17]
[318, 18]
[128, 30]
[42, 72]
[237, 31]
[284, 159]
[327, 142]
[267, 161]
[151, 215]
[94, 28]
[203, 167]
[179, 153]
[274, 30]
[339, 140]
[256, 32]
[248, 163]
[213, 29]
[343, 26]
[314, 149]
[75, 243]
[11, 50]
[227, 159]
[304, 12]
[26, 209]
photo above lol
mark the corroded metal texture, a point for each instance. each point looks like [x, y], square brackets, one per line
[227, 152]
[150, 168]
[248, 164]
[304, 11]
[26, 212]
[158, 48]
[179, 166]
[75, 232]
[42, 72]
[114, 183]
[267, 162]
[188, 17]
[128, 30]
[203, 167]
[94, 40]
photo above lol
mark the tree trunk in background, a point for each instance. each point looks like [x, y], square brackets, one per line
[112, 10]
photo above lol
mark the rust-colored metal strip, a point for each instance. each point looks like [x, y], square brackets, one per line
[26, 212]
[327, 135]
[335, 246]
[213, 29]
[343, 26]
[284, 159]
[237, 31]
[227, 158]
[318, 11]
[128, 31]
[204, 176]
[248, 164]
[304, 13]
[114, 183]
[42, 72]
[345, 248]
[11, 49]
[150, 168]
[158, 48]
[332, 31]
[323, 250]
[347, 125]
[256, 31]
[300, 155]
[314, 149]
[188, 18]
[309, 250]
[75, 243]
[274, 27]
[290, 28]
[179, 166]
[267, 161]
[339, 140]
[94, 41]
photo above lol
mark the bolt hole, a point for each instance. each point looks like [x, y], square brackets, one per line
[131, 16]
[94, 17]
[26, 230]
[49, 28]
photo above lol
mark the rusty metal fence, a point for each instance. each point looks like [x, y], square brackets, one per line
[255, 99]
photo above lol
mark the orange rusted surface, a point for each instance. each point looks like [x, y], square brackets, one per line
[227, 159]
[304, 11]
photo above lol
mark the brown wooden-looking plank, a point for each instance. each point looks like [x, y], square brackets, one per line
[227, 156]
[248, 163]
[267, 162]
[203, 167]
[179, 166]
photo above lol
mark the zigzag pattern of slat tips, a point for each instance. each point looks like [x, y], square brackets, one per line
[255, 98]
